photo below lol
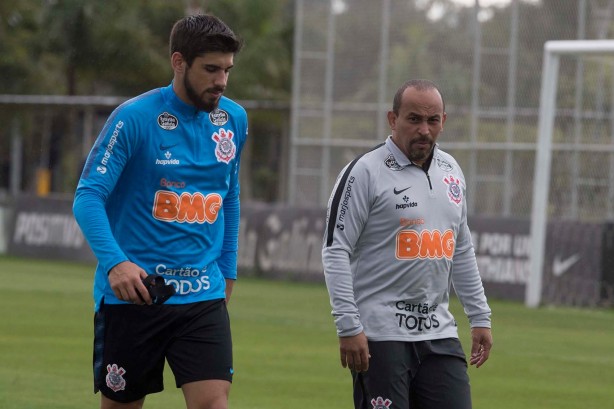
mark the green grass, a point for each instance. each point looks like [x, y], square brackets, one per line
[285, 348]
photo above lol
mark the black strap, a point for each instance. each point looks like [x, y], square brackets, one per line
[360, 380]
[159, 291]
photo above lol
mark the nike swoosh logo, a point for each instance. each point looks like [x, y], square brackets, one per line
[398, 192]
[560, 266]
[167, 147]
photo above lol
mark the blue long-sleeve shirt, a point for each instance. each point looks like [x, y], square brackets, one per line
[160, 188]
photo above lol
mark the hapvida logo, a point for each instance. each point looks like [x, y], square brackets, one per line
[407, 203]
[168, 160]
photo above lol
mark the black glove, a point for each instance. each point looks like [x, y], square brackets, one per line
[159, 291]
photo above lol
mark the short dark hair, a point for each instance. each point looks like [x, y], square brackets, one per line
[420, 85]
[195, 35]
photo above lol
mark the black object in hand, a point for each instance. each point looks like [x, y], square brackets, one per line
[159, 291]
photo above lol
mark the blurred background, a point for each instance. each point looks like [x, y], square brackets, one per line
[317, 77]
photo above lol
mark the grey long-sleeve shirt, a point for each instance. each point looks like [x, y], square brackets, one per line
[396, 240]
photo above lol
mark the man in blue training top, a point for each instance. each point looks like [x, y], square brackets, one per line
[159, 199]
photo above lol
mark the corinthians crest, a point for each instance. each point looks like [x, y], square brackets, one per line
[225, 148]
[455, 192]
[381, 403]
[115, 380]
[392, 163]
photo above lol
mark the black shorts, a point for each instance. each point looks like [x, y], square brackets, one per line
[409, 375]
[131, 343]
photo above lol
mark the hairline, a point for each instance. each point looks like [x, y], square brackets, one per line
[417, 84]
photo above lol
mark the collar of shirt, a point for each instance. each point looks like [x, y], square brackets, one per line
[186, 111]
[403, 160]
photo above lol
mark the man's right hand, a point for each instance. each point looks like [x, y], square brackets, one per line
[355, 352]
[126, 280]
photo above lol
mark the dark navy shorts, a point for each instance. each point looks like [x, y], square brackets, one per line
[131, 343]
[414, 375]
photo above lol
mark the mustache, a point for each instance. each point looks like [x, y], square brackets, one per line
[423, 139]
[216, 89]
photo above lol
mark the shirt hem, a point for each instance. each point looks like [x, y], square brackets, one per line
[396, 337]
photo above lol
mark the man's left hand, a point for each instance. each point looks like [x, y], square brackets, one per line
[481, 343]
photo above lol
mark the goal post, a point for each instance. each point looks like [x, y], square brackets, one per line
[553, 50]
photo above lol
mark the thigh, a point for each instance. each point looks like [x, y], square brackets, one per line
[106, 403]
[202, 347]
[128, 360]
[441, 383]
[386, 383]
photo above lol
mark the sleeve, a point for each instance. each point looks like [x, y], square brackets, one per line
[102, 169]
[466, 277]
[346, 217]
[232, 215]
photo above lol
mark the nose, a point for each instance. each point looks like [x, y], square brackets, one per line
[221, 79]
[423, 129]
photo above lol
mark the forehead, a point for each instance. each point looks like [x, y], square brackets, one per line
[219, 59]
[423, 102]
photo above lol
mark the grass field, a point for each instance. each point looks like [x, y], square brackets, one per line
[286, 350]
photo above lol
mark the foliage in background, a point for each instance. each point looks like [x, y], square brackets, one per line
[264, 66]
[120, 48]
[116, 47]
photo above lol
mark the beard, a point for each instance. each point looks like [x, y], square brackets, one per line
[420, 154]
[201, 102]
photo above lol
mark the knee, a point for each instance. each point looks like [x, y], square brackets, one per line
[221, 403]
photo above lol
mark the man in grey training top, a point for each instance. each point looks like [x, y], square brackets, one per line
[396, 240]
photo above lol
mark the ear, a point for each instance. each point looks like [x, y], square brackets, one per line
[177, 62]
[443, 119]
[392, 120]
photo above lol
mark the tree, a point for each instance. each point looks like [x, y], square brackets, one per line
[118, 47]
[264, 66]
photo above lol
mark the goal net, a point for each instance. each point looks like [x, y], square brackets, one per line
[573, 186]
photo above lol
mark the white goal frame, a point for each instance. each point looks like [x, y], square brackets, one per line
[543, 155]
